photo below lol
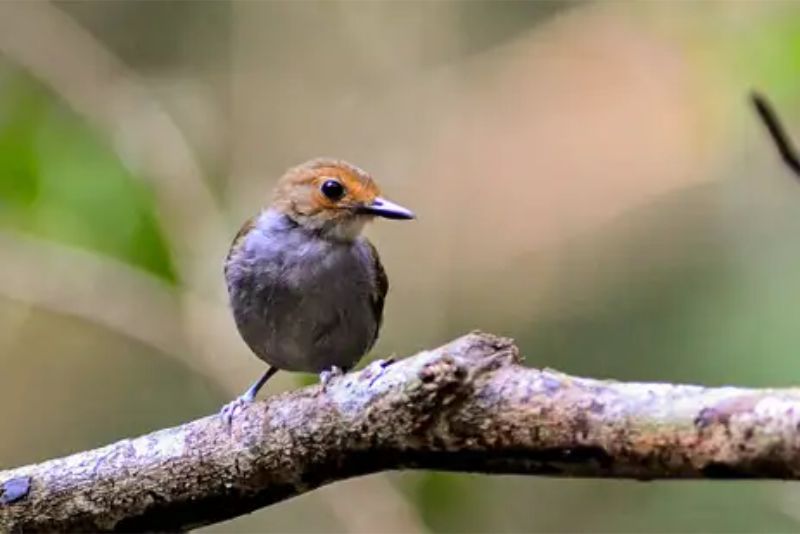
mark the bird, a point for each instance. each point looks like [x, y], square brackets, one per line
[305, 287]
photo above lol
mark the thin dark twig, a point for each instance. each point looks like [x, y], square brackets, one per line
[776, 130]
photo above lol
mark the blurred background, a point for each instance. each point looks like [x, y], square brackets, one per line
[589, 179]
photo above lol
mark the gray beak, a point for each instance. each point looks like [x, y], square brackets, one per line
[388, 210]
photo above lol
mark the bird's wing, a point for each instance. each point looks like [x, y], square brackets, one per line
[237, 241]
[379, 287]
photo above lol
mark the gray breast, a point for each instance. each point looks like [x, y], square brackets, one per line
[302, 302]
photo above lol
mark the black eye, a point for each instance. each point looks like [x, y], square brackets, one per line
[332, 189]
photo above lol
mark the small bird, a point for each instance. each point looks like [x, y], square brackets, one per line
[306, 289]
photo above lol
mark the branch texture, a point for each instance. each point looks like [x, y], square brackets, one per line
[466, 406]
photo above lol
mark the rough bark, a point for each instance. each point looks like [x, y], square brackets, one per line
[466, 406]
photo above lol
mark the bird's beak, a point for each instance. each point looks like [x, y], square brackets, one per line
[388, 210]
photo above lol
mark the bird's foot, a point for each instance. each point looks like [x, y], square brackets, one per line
[375, 369]
[229, 411]
[326, 376]
[384, 363]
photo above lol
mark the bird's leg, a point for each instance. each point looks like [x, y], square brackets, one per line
[229, 410]
[327, 375]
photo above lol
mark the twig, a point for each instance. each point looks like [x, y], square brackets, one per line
[466, 406]
[79, 283]
[776, 130]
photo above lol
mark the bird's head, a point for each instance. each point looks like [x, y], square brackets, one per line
[333, 198]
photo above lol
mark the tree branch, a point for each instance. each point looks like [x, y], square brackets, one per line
[466, 406]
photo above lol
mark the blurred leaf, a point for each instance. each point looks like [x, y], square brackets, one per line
[20, 110]
[60, 181]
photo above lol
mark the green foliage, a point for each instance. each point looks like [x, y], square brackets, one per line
[60, 180]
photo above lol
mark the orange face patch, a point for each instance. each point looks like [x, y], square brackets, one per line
[303, 192]
[357, 189]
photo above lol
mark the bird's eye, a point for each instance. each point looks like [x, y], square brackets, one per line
[332, 189]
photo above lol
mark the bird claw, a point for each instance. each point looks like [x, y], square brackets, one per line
[385, 363]
[326, 376]
[375, 369]
[229, 411]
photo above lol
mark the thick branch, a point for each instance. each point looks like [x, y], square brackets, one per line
[466, 406]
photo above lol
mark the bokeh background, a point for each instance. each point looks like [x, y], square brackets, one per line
[589, 179]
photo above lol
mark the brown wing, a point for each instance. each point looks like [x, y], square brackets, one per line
[237, 241]
[379, 288]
